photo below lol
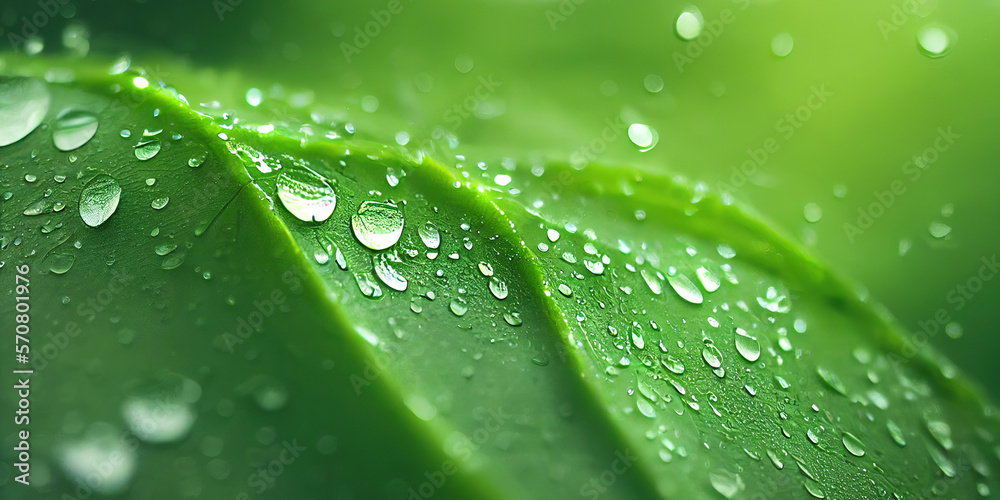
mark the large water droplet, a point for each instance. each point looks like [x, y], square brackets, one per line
[459, 306]
[685, 288]
[23, 104]
[60, 263]
[689, 23]
[934, 41]
[161, 411]
[748, 346]
[712, 356]
[709, 279]
[853, 444]
[99, 200]
[941, 432]
[726, 483]
[430, 235]
[942, 461]
[643, 136]
[498, 288]
[306, 195]
[645, 408]
[147, 149]
[73, 129]
[100, 453]
[388, 274]
[654, 283]
[832, 380]
[377, 225]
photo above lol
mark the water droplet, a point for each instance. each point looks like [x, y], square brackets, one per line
[685, 288]
[896, 433]
[458, 306]
[553, 235]
[654, 283]
[709, 279]
[513, 318]
[812, 212]
[73, 128]
[172, 261]
[942, 461]
[637, 339]
[939, 229]
[485, 269]
[306, 195]
[430, 235]
[377, 225]
[99, 200]
[712, 356]
[160, 410]
[782, 44]
[645, 407]
[726, 483]
[934, 41]
[498, 288]
[388, 274]
[853, 444]
[146, 150]
[643, 136]
[197, 160]
[673, 364]
[271, 395]
[831, 380]
[689, 23]
[775, 460]
[595, 267]
[565, 289]
[23, 104]
[941, 432]
[748, 346]
[814, 490]
[162, 250]
[88, 456]
[60, 263]
[159, 203]
[367, 286]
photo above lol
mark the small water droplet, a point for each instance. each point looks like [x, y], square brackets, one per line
[782, 44]
[565, 289]
[643, 136]
[645, 407]
[485, 268]
[165, 249]
[160, 410]
[896, 433]
[654, 283]
[60, 263]
[747, 346]
[709, 279]
[99, 199]
[728, 484]
[159, 203]
[197, 160]
[513, 318]
[832, 380]
[812, 212]
[377, 225]
[939, 229]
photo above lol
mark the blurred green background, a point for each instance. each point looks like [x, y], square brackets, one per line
[563, 80]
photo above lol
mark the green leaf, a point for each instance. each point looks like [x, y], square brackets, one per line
[221, 307]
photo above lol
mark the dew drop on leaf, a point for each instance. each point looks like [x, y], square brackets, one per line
[23, 104]
[853, 444]
[685, 288]
[306, 195]
[430, 235]
[146, 150]
[377, 225]
[73, 128]
[458, 306]
[99, 199]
